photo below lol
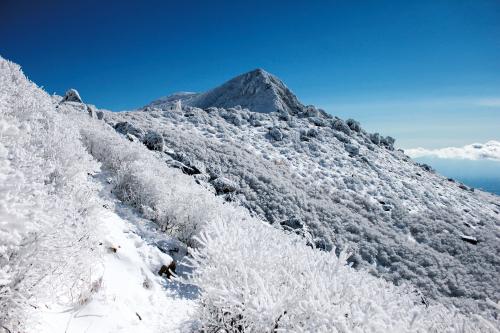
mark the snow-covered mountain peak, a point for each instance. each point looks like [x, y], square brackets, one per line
[257, 90]
[116, 209]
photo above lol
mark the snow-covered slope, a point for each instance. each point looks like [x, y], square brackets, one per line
[256, 90]
[129, 296]
[72, 258]
[319, 175]
[89, 218]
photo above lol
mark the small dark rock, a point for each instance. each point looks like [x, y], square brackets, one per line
[188, 170]
[469, 239]
[293, 223]
[100, 115]
[426, 167]
[223, 185]
[463, 187]
[72, 95]
[169, 270]
[92, 111]
[125, 127]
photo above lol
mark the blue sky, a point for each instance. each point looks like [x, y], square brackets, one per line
[426, 72]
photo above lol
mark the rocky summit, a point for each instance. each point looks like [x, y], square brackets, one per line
[256, 90]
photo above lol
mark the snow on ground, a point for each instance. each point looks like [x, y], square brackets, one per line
[373, 200]
[89, 263]
[131, 296]
[59, 224]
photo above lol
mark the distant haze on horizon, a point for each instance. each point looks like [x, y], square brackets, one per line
[425, 72]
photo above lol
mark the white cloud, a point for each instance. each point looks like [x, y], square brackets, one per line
[430, 104]
[489, 102]
[476, 151]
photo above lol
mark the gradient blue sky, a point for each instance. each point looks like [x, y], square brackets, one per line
[426, 72]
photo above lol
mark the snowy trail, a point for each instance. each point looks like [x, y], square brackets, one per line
[131, 296]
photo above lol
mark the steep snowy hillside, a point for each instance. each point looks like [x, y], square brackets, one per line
[103, 232]
[72, 258]
[333, 182]
[257, 90]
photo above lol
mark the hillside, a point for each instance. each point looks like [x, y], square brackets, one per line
[328, 179]
[93, 217]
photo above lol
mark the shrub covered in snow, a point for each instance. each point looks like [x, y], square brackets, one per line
[352, 149]
[154, 141]
[276, 134]
[375, 138]
[341, 126]
[388, 142]
[379, 202]
[254, 278]
[354, 125]
[47, 236]
[165, 195]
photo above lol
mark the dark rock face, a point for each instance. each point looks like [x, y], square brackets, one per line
[92, 111]
[426, 167]
[125, 128]
[293, 223]
[469, 239]
[100, 115]
[223, 185]
[186, 164]
[188, 170]
[72, 95]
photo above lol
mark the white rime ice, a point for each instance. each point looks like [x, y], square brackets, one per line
[344, 187]
[91, 208]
